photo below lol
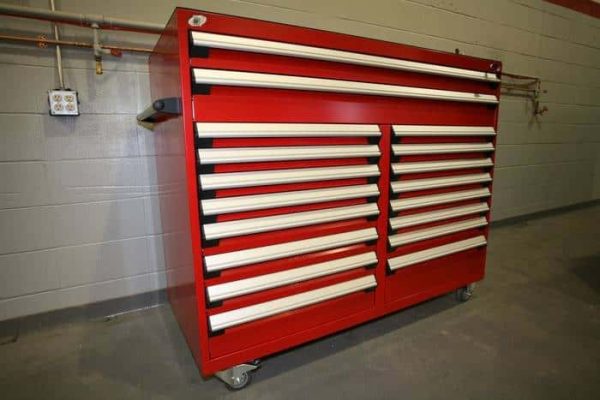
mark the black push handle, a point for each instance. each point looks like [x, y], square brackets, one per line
[161, 110]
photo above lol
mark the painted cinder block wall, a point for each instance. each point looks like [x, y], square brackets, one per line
[79, 219]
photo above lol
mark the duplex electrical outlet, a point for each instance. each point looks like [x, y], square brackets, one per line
[63, 102]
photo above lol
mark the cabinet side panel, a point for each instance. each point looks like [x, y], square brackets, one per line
[169, 139]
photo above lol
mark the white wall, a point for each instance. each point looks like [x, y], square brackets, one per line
[78, 206]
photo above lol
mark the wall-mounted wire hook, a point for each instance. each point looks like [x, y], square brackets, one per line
[524, 86]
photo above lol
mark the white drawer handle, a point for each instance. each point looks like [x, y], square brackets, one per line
[435, 252]
[239, 258]
[269, 308]
[263, 282]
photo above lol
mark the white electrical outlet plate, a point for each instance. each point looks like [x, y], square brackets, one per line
[63, 102]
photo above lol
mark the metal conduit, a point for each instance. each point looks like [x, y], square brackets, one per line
[59, 66]
[42, 41]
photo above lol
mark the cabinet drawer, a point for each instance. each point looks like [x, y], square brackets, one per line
[244, 327]
[424, 272]
[240, 287]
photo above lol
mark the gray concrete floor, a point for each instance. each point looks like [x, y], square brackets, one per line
[532, 331]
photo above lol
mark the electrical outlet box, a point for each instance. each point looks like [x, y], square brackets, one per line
[63, 102]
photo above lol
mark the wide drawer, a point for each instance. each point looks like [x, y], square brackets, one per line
[257, 324]
[241, 287]
[418, 273]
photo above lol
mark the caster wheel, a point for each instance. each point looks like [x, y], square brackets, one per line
[239, 376]
[465, 293]
[240, 382]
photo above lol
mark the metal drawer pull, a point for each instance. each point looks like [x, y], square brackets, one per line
[434, 183]
[435, 130]
[251, 285]
[248, 226]
[423, 218]
[257, 130]
[435, 252]
[274, 81]
[238, 43]
[269, 308]
[279, 176]
[256, 154]
[430, 233]
[440, 148]
[431, 200]
[282, 199]
[239, 258]
[431, 166]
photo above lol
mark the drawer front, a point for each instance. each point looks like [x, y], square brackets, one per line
[240, 287]
[308, 52]
[431, 272]
[239, 316]
[206, 76]
[252, 325]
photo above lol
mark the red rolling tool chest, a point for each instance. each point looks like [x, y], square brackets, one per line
[310, 181]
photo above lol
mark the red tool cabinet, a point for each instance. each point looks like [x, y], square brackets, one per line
[310, 181]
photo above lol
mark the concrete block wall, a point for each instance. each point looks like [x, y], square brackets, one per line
[79, 219]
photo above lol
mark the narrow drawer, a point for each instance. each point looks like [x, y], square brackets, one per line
[239, 258]
[439, 215]
[431, 166]
[436, 199]
[441, 230]
[248, 226]
[435, 252]
[440, 148]
[281, 176]
[434, 183]
[283, 199]
[441, 130]
[259, 154]
[210, 130]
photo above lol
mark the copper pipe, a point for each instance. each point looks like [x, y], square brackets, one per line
[41, 41]
[86, 20]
